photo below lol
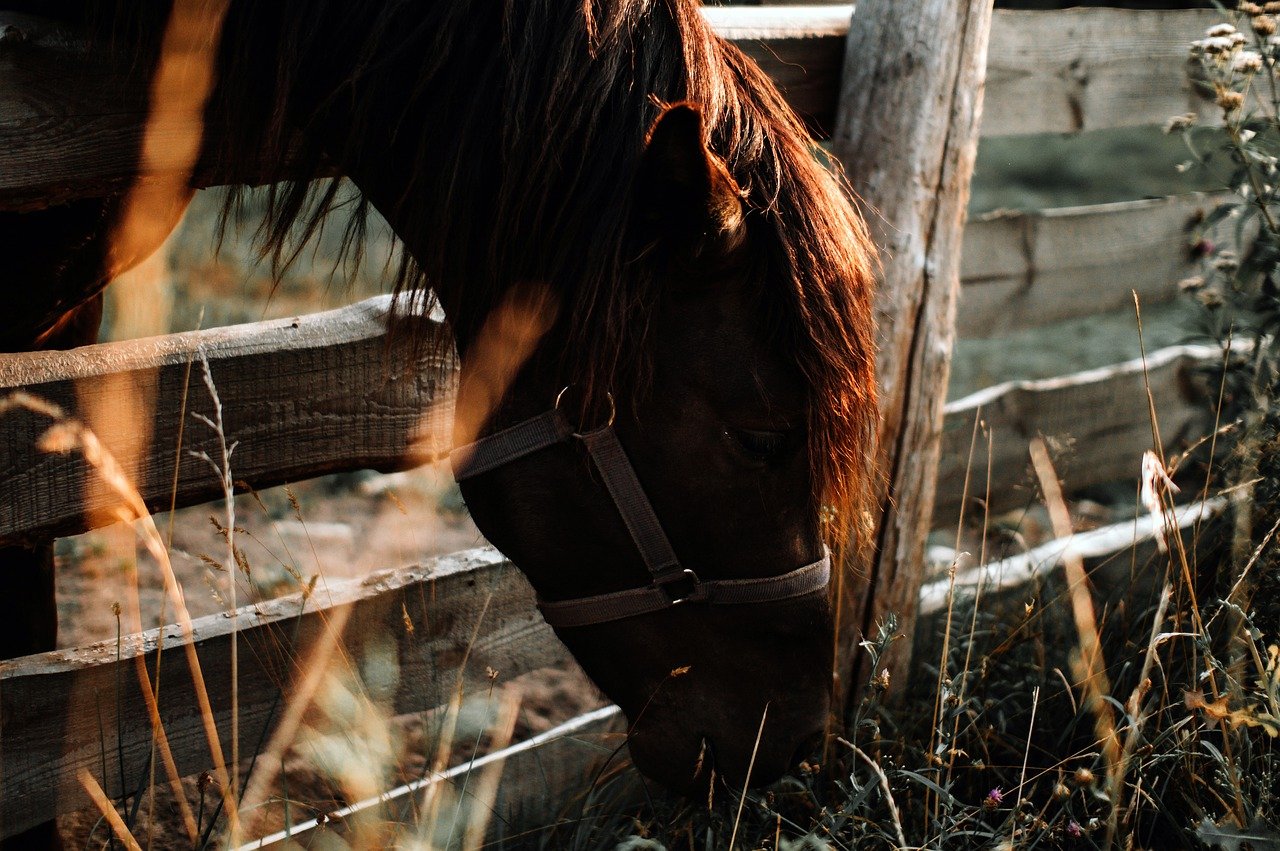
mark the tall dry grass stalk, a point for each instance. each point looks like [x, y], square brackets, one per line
[66, 435]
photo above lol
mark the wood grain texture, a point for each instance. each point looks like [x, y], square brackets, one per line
[327, 392]
[801, 48]
[907, 135]
[1021, 270]
[542, 783]
[1086, 69]
[71, 125]
[1098, 420]
[62, 711]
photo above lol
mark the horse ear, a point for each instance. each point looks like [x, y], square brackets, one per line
[685, 190]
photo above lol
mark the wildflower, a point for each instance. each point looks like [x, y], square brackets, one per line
[1226, 262]
[1211, 299]
[882, 681]
[1073, 829]
[1083, 777]
[1264, 25]
[994, 798]
[1229, 101]
[1213, 45]
[1247, 61]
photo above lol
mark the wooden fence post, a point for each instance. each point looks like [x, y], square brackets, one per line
[906, 133]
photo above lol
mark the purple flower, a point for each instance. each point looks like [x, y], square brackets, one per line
[994, 798]
[1073, 829]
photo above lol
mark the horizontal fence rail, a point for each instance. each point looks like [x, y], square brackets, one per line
[326, 392]
[425, 631]
[1021, 270]
[70, 127]
[298, 397]
[531, 792]
[1099, 419]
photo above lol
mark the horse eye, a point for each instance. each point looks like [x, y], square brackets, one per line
[762, 445]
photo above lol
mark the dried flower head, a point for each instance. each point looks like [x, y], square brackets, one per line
[1180, 122]
[1190, 285]
[1210, 298]
[1247, 62]
[1229, 101]
[1272, 8]
[1213, 45]
[1226, 262]
[1264, 25]
[1083, 777]
[1248, 8]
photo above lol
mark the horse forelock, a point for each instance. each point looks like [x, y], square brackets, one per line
[540, 110]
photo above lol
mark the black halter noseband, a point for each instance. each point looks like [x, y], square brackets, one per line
[672, 584]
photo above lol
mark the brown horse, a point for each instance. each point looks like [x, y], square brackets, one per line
[626, 198]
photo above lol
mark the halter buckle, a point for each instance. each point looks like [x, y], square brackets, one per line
[691, 592]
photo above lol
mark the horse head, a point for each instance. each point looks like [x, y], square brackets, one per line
[662, 315]
[717, 681]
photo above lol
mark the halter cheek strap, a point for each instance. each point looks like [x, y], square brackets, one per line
[672, 584]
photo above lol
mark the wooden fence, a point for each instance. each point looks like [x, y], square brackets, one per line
[66, 132]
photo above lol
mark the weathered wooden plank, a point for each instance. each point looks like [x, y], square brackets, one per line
[1086, 69]
[302, 397]
[539, 779]
[801, 48]
[1024, 569]
[1099, 418]
[71, 124]
[1047, 71]
[1021, 270]
[62, 711]
[69, 127]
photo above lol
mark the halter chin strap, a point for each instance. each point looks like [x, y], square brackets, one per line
[672, 584]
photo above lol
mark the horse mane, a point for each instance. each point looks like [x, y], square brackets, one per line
[543, 108]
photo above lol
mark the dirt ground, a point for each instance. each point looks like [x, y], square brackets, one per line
[350, 526]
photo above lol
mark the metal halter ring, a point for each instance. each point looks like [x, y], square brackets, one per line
[694, 593]
[613, 410]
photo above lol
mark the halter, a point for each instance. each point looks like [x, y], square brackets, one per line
[672, 585]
